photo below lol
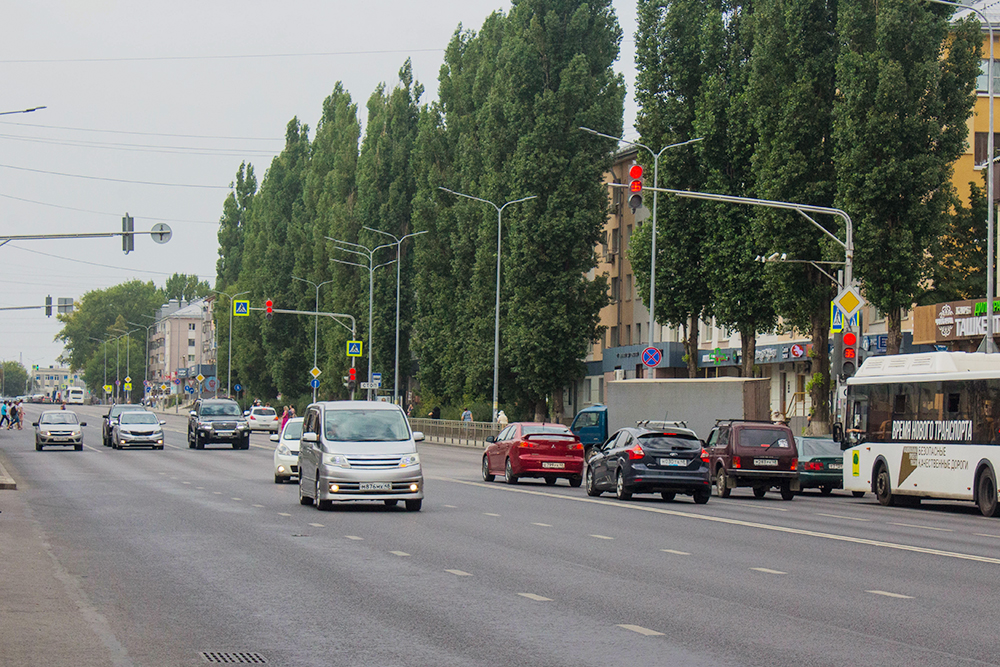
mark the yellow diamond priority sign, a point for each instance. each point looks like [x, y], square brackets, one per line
[315, 372]
[849, 301]
[200, 378]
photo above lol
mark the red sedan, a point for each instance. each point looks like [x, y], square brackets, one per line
[528, 449]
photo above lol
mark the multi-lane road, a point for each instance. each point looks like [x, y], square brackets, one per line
[186, 557]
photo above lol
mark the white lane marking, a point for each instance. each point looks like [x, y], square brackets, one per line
[200, 487]
[185, 482]
[162, 473]
[841, 516]
[987, 535]
[258, 505]
[236, 499]
[353, 537]
[94, 449]
[892, 595]
[490, 514]
[536, 598]
[459, 573]
[173, 478]
[767, 570]
[399, 553]
[913, 525]
[452, 507]
[504, 488]
[641, 630]
[174, 447]
[283, 514]
[543, 525]
[317, 525]
[602, 537]
[675, 552]
[217, 493]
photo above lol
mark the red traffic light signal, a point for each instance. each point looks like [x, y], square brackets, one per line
[269, 309]
[352, 374]
[850, 339]
[635, 187]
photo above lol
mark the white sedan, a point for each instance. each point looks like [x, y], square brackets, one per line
[286, 454]
[263, 419]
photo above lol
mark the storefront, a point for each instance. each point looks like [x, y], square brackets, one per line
[957, 326]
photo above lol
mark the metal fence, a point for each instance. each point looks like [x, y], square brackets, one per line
[448, 432]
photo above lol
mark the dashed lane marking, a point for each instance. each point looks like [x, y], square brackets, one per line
[490, 514]
[399, 553]
[536, 598]
[498, 488]
[283, 514]
[913, 525]
[185, 482]
[353, 537]
[217, 493]
[543, 525]
[602, 537]
[641, 630]
[258, 505]
[454, 507]
[891, 595]
[317, 525]
[767, 570]
[987, 535]
[236, 499]
[200, 487]
[675, 552]
[459, 573]
[841, 516]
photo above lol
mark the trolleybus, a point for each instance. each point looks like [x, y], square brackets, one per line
[74, 396]
[925, 426]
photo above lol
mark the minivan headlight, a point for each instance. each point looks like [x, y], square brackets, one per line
[283, 450]
[409, 460]
[338, 460]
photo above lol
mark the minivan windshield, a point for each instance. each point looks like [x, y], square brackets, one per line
[359, 425]
[293, 430]
[761, 437]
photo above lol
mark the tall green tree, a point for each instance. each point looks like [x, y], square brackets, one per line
[958, 269]
[235, 210]
[183, 286]
[13, 378]
[903, 100]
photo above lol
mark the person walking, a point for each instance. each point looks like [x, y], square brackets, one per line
[284, 418]
[20, 415]
[502, 419]
[467, 415]
[3, 413]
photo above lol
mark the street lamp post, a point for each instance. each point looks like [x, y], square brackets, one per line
[369, 254]
[229, 357]
[398, 242]
[118, 361]
[316, 325]
[656, 178]
[145, 365]
[496, 323]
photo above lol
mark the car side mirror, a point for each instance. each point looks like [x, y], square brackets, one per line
[310, 437]
[838, 435]
[246, 413]
[491, 438]
[34, 423]
[162, 422]
[193, 413]
[418, 436]
[274, 438]
[83, 423]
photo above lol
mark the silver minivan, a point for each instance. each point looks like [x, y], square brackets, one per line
[359, 450]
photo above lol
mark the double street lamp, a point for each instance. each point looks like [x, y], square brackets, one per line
[315, 326]
[496, 324]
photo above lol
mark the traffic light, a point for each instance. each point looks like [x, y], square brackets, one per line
[850, 355]
[635, 187]
[268, 309]
[128, 236]
[352, 378]
[48, 306]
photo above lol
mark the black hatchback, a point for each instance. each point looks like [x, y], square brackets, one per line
[639, 460]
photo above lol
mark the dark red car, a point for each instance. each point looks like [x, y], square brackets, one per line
[528, 449]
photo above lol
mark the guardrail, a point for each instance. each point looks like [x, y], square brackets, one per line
[449, 432]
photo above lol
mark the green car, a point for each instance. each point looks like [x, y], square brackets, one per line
[821, 464]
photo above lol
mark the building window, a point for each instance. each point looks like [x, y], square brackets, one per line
[628, 239]
[613, 333]
[191, 342]
[628, 287]
[982, 82]
[628, 334]
[638, 332]
[615, 289]
[191, 358]
[191, 326]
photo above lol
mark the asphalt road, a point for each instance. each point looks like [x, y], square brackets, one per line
[181, 554]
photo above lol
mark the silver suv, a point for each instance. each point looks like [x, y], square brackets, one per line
[359, 450]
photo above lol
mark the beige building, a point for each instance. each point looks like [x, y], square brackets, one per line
[182, 344]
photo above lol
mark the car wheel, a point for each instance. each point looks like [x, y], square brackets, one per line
[986, 494]
[190, 441]
[701, 496]
[487, 477]
[826, 490]
[883, 487]
[858, 494]
[550, 481]
[575, 481]
[759, 491]
[38, 446]
[391, 503]
[668, 495]
[414, 505]
[721, 484]
[786, 491]
[321, 505]
[621, 492]
[199, 442]
[303, 498]
[508, 474]
[246, 442]
[591, 489]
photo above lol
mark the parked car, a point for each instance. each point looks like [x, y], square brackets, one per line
[59, 427]
[359, 450]
[761, 455]
[821, 464]
[286, 454]
[112, 417]
[217, 420]
[532, 449]
[263, 419]
[643, 460]
[137, 428]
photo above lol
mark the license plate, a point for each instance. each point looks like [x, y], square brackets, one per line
[375, 486]
[835, 466]
[674, 463]
[773, 463]
[548, 464]
[223, 434]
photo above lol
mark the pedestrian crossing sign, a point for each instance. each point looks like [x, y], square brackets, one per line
[241, 308]
[354, 348]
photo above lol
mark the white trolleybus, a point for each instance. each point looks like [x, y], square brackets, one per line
[74, 396]
[925, 426]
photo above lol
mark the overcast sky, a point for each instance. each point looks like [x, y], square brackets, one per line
[151, 107]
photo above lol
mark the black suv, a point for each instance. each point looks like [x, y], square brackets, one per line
[112, 417]
[217, 420]
[760, 455]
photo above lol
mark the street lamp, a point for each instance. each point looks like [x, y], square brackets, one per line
[496, 324]
[988, 345]
[118, 360]
[656, 177]
[783, 257]
[229, 357]
[398, 243]
[316, 325]
[369, 254]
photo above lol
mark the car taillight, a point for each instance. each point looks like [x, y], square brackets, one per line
[704, 455]
[795, 464]
[528, 445]
[635, 451]
[578, 445]
[736, 462]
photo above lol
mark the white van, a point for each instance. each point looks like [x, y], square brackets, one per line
[359, 450]
[74, 396]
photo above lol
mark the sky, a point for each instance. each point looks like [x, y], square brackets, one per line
[151, 108]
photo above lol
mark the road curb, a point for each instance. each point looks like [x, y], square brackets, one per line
[6, 481]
